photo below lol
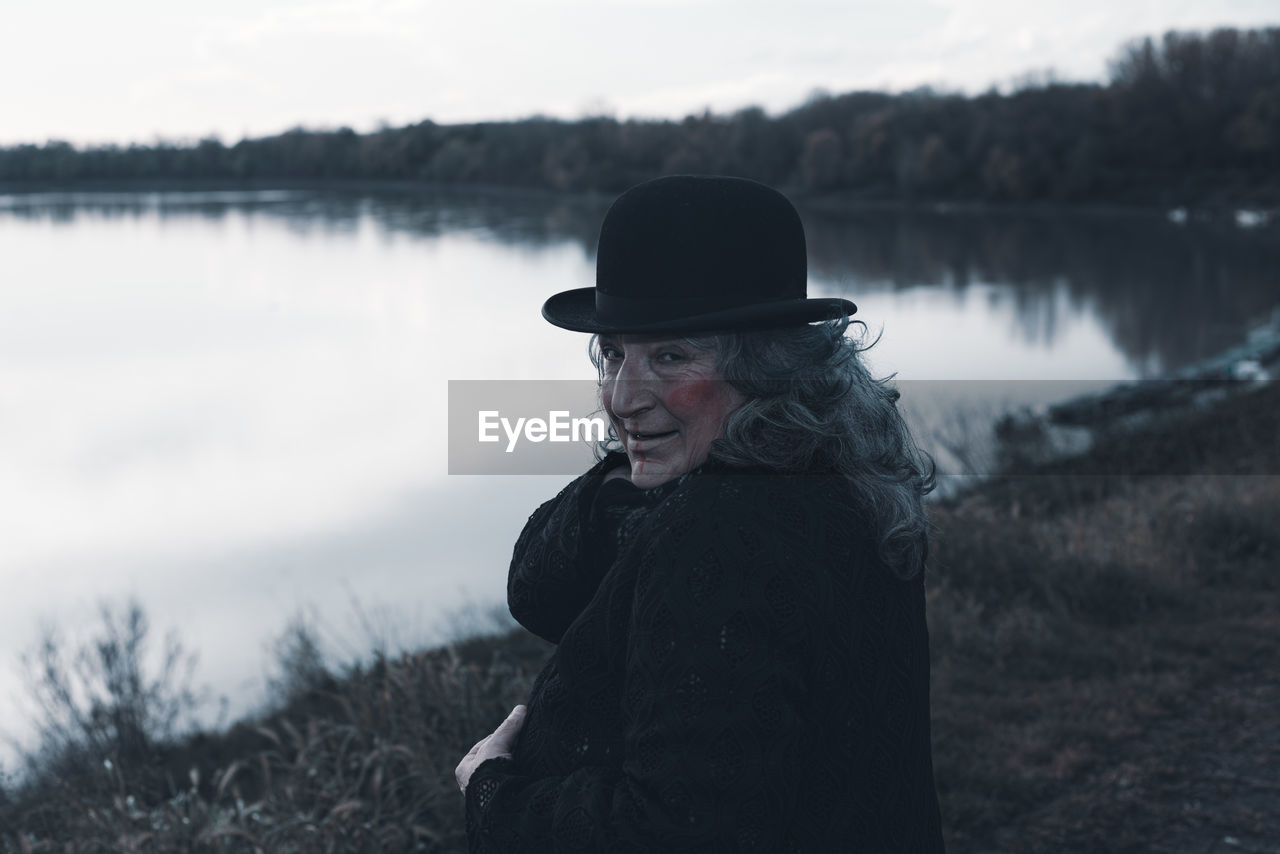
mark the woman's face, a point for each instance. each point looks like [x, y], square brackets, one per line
[667, 403]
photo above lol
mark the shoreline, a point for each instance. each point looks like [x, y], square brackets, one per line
[1241, 212]
[1058, 433]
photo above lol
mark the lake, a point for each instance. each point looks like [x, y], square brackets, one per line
[233, 405]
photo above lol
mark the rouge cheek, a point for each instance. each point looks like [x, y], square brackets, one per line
[696, 395]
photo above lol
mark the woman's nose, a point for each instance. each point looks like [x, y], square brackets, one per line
[631, 391]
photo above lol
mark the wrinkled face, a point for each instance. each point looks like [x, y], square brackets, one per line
[667, 403]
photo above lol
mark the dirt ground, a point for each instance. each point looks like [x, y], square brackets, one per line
[1203, 780]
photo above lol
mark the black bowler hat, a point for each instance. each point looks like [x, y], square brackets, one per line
[696, 253]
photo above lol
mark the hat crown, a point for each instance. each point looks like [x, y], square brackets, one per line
[696, 253]
[731, 240]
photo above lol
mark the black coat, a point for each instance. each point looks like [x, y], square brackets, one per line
[736, 670]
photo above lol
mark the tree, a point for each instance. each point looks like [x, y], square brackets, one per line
[820, 165]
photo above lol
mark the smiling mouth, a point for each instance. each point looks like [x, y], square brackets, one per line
[645, 437]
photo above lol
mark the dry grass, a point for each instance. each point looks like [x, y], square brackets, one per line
[1055, 644]
[364, 766]
[1066, 614]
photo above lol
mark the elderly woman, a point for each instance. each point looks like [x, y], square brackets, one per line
[736, 589]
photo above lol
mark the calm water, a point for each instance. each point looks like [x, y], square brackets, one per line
[232, 405]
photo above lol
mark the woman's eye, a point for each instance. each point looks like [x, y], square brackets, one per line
[670, 357]
[610, 353]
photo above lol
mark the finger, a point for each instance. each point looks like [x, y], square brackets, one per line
[494, 745]
[505, 735]
[507, 730]
[495, 751]
[463, 772]
[469, 762]
[513, 721]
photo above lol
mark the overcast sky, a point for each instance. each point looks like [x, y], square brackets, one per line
[132, 70]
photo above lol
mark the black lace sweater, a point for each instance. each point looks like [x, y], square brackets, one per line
[735, 671]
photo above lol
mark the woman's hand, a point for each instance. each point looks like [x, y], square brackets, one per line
[495, 744]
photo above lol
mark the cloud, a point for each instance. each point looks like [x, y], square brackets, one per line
[381, 18]
[262, 67]
[982, 42]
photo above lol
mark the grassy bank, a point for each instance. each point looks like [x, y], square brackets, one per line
[1067, 613]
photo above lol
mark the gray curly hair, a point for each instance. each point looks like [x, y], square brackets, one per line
[812, 404]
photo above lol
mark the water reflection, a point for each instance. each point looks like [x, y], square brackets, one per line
[1168, 294]
[535, 219]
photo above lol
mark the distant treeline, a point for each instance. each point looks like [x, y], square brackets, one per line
[1190, 119]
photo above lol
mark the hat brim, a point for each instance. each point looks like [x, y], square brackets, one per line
[576, 310]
